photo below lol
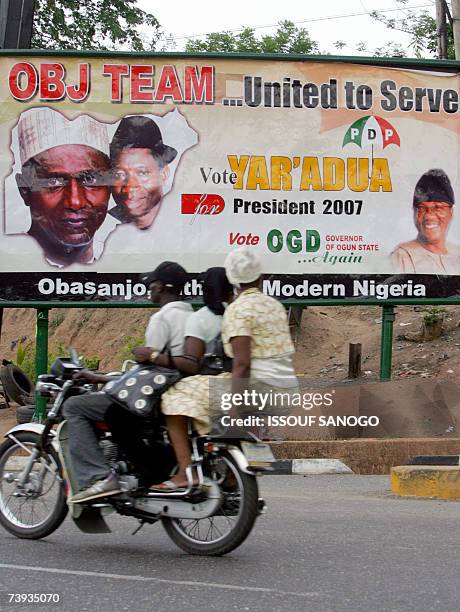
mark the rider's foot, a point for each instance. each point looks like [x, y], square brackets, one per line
[178, 482]
[168, 486]
[101, 488]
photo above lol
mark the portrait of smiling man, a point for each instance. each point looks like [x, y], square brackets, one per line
[64, 181]
[433, 209]
[140, 166]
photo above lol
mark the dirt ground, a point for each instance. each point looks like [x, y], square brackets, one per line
[7, 419]
[322, 342]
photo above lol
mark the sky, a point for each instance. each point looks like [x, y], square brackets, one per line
[327, 21]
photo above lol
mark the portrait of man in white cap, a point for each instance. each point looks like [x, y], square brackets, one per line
[64, 181]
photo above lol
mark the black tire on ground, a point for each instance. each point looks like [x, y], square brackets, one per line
[16, 384]
[4, 403]
[239, 533]
[24, 414]
[60, 510]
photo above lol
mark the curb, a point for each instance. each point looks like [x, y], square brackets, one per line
[309, 467]
[367, 455]
[435, 460]
[435, 481]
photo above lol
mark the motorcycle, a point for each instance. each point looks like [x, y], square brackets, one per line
[211, 518]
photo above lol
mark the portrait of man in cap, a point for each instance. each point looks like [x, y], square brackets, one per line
[140, 166]
[433, 210]
[64, 181]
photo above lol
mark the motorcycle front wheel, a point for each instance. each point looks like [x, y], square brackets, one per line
[231, 524]
[38, 507]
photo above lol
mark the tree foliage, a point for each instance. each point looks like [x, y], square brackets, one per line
[421, 27]
[288, 38]
[93, 25]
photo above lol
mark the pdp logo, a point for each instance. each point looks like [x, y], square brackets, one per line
[371, 131]
[202, 204]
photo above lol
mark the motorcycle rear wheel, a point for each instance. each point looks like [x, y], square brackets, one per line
[39, 509]
[223, 532]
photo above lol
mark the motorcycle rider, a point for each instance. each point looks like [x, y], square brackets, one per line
[165, 329]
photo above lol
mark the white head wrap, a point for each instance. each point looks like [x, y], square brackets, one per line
[40, 129]
[242, 266]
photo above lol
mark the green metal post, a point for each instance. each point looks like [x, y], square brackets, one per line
[386, 342]
[41, 360]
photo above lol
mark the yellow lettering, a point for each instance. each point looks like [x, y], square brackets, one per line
[358, 173]
[239, 168]
[334, 174]
[281, 173]
[380, 178]
[311, 176]
[257, 173]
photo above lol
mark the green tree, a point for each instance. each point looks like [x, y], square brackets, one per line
[421, 27]
[93, 25]
[288, 38]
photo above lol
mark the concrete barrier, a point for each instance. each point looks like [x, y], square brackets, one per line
[435, 481]
[366, 456]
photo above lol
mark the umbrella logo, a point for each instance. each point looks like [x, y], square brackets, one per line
[371, 131]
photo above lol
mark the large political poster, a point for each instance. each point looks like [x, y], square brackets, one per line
[342, 176]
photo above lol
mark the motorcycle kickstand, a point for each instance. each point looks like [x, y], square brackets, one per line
[139, 527]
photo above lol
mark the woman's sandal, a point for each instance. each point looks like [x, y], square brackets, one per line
[168, 486]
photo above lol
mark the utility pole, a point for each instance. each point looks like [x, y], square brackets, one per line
[16, 20]
[456, 26]
[441, 28]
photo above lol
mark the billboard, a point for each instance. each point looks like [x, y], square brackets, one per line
[342, 176]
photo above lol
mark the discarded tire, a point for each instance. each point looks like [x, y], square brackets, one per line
[3, 398]
[24, 414]
[16, 384]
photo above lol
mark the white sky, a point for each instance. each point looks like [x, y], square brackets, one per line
[198, 17]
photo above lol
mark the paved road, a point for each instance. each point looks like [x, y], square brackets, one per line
[327, 543]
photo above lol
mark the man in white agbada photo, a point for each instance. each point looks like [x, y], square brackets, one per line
[65, 182]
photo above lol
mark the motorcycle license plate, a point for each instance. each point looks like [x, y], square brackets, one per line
[257, 454]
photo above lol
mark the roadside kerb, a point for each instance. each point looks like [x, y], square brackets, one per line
[366, 456]
[310, 466]
[433, 481]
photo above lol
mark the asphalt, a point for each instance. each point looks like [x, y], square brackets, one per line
[327, 543]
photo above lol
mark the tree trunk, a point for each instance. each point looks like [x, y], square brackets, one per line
[441, 29]
[456, 27]
[431, 330]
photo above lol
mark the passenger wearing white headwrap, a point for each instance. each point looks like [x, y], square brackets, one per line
[64, 181]
[243, 266]
[255, 330]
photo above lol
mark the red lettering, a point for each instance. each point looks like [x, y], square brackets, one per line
[243, 239]
[77, 93]
[52, 86]
[168, 86]
[202, 203]
[199, 84]
[141, 79]
[21, 71]
[116, 72]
